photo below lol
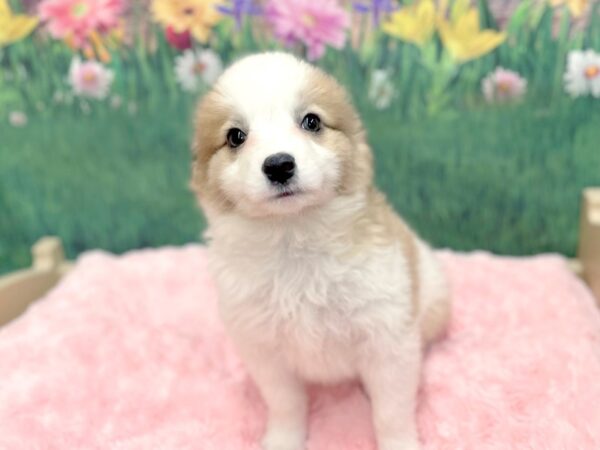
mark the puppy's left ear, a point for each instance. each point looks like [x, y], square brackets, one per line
[361, 172]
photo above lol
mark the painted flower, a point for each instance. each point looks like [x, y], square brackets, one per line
[415, 23]
[381, 89]
[116, 101]
[239, 9]
[180, 41]
[377, 8]
[85, 107]
[464, 39]
[61, 97]
[195, 16]
[194, 69]
[14, 27]
[90, 79]
[79, 20]
[503, 85]
[313, 24]
[576, 7]
[17, 119]
[58, 97]
[582, 77]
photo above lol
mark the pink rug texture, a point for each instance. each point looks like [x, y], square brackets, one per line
[129, 353]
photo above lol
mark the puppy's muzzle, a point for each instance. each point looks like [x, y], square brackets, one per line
[279, 168]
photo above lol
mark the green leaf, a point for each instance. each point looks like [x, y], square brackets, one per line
[519, 19]
[485, 15]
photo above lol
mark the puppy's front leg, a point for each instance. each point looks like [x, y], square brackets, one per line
[286, 401]
[390, 377]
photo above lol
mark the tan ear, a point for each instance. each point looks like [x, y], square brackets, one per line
[211, 114]
[363, 163]
[332, 97]
[357, 165]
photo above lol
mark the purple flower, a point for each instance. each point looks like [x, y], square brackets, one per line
[376, 7]
[239, 8]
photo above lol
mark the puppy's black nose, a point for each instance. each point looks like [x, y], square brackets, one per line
[279, 168]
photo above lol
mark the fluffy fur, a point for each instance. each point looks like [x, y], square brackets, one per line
[129, 353]
[323, 286]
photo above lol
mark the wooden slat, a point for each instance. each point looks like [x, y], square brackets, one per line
[589, 239]
[19, 289]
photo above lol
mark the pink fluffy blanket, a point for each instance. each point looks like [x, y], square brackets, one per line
[128, 353]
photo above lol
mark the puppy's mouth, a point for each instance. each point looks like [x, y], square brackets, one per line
[287, 193]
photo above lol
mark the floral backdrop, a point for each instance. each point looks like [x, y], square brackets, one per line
[484, 115]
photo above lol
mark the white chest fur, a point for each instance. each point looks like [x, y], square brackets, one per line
[299, 291]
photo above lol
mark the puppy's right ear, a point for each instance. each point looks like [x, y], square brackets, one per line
[211, 115]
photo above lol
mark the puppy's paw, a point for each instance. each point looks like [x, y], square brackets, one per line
[283, 440]
[400, 444]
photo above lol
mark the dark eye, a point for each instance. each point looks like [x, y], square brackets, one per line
[235, 137]
[311, 122]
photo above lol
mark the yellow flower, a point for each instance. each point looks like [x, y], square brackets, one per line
[14, 27]
[576, 7]
[459, 8]
[415, 23]
[465, 40]
[196, 16]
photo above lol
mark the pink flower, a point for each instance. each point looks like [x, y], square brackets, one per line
[90, 79]
[76, 20]
[503, 85]
[312, 23]
[17, 119]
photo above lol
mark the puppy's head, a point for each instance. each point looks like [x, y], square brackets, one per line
[277, 136]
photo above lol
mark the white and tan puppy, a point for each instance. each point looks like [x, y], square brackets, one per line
[319, 279]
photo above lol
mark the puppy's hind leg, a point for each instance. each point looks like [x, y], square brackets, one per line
[434, 296]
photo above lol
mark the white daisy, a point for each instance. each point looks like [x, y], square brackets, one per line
[381, 89]
[582, 77]
[194, 69]
[90, 79]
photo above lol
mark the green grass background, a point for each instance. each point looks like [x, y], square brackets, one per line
[503, 179]
[471, 176]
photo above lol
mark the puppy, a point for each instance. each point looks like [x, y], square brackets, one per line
[320, 281]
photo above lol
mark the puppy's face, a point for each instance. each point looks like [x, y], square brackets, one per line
[276, 136]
